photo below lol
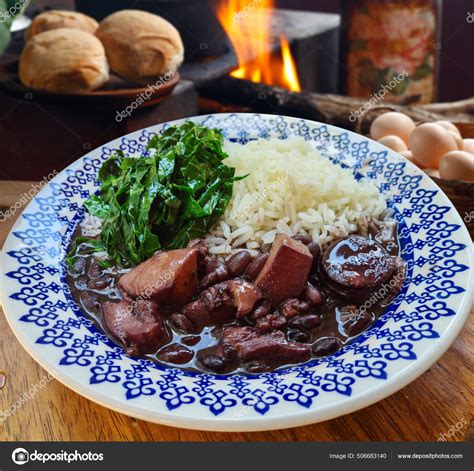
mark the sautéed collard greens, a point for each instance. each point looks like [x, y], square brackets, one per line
[173, 194]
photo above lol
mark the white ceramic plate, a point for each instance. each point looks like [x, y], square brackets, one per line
[412, 334]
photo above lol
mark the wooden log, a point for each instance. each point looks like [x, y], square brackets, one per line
[332, 109]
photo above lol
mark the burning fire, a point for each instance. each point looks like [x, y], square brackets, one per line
[252, 43]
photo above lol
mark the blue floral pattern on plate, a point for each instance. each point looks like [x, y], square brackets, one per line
[43, 314]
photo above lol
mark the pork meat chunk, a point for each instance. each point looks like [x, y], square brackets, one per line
[286, 270]
[169, 277]
[246, 344]
[245, 296]
[218, 305]
[138, 325]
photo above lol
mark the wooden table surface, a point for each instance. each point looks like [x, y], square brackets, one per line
[441, 401]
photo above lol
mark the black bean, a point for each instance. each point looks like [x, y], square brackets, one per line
[94, 270]
[191, 339]
[314, 277]
[303, 306]
[262, 310]
[238, 263]
[176, 354]
[79, 266]
[306, 239]
[326, 346]
[358, 324]
[307, 322]
[217, 276]
[101, 284]
[181, 322]
[90, 301]
[211, 263]
[256, 266]
[212, 362]
[298, 336]
[315, 250]
[312, 295]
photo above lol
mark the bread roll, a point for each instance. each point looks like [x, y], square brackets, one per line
[64, 60]
[140, 46]
[55, 19]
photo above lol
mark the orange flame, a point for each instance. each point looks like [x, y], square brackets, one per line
[290, 76]
[252, 43]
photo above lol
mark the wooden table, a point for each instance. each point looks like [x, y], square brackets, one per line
[436, 402]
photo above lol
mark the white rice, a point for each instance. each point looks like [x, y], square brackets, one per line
[91, 225]
[291, 189]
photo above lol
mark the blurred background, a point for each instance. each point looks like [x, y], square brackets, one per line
[292, 57]
[456, 77]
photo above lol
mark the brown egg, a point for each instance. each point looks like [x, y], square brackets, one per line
[392, 124]
[449, 126]
[393, 142]
[429, 142]
[457, 137]
[457, 165]
[432, 172]
[469, 145]
[409, 156]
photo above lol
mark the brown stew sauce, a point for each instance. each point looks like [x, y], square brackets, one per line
[327, 329]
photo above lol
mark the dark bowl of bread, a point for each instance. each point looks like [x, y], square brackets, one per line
[69, 54]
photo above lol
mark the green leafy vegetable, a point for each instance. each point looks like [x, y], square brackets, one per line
[162, 200]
